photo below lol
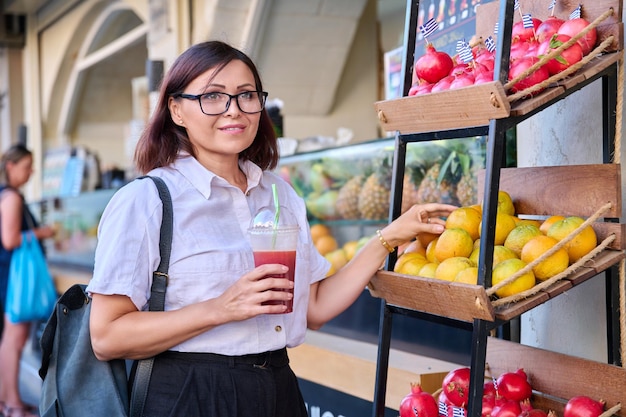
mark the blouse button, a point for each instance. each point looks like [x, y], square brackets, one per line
[278, 329]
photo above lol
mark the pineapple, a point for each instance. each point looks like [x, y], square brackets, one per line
[466, 191]
[348, 198]
[432, 189]
[374, 198]
[413, 176]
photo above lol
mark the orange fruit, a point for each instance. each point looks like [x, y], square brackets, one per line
[467, 275]
[505, 203]
[465, 218]
[552, 265]
[531, 222]
[504, 270]
[545, 225]
[500, 253]
[453, 243]
[415, 246]
[318, 230]
[504, 224]
[425, 238]
[326, 244]
[477, 207]
[518, 237]
[475, 255]
[430, 251]
[582, 244]
[410, 263]
[337, 258]
[428, 270]
[350, 248]
[449, 268]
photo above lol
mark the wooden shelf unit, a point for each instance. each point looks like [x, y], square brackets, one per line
[485, 110]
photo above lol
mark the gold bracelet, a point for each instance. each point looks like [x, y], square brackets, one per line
[383, 241]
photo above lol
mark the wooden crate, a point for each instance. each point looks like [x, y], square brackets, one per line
[555, 190]
[556, 377]
[477, 105]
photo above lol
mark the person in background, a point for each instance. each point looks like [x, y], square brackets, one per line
[16, 167]
[220, 351]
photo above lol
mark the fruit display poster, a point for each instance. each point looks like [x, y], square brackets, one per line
[456, 20]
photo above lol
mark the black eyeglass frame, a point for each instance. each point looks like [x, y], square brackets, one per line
[198, 97]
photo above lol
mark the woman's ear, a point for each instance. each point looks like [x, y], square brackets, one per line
[175, 111]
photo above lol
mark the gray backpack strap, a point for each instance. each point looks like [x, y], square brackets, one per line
[143, 372]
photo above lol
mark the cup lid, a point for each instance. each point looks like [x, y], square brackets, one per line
[265, 218]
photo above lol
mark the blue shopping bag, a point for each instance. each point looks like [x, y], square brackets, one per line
[31, 294]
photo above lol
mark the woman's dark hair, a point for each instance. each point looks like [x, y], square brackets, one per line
[162, 139]
[14, 154]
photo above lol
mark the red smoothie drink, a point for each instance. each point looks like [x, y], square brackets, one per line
[287, 258]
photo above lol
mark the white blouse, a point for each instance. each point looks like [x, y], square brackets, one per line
[210, 251]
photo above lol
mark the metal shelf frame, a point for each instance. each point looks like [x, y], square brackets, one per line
[495, 157]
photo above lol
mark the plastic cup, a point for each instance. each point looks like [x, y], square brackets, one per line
[276, 246]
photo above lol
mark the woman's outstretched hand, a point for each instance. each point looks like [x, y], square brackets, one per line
[420, 218]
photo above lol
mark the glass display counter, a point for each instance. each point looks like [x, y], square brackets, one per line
[76, 219]
[347, 189]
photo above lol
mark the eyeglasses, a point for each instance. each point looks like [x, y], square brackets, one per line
[214, 104]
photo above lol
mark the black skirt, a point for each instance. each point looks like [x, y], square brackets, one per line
[209, 385]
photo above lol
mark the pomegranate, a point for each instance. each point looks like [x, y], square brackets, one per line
[463, 79]
[489, 388]
[513, 386]
[456, 386]
[484, 77]
[548, 28]
[418, 403]
[507, 409]
[443, 84]
[566, 59]
[537, 77]
[573, 27]
[583, 406]
[433, 65]
[522, 49]
[489, 403]
[534, 412]
[520, 33]
[420, 88]
[488, 60]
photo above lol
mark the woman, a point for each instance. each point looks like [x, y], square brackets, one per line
[220, 351]
[16, 167]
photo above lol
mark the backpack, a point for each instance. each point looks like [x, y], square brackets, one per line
[75, 382]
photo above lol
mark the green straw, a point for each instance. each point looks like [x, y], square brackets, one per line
[276, 213]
